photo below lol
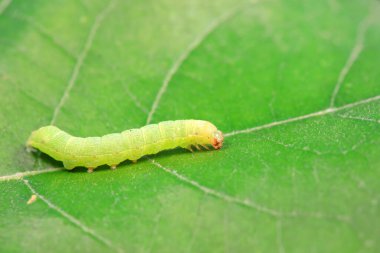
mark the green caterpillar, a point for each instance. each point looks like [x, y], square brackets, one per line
[112, 149]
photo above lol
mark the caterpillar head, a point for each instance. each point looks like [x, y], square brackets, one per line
[217, 139]
[207, 134]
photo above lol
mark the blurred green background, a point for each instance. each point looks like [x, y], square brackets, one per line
[289, 184]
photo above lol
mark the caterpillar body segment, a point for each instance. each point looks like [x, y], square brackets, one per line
[112, 149]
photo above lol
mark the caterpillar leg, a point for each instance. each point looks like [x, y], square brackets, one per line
[197, 147]
[90, 170]
[134, 161]
[68, 165]
[113, 167]
[190, 149]
[205, 147]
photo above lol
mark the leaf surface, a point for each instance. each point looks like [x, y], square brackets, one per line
[294, 85]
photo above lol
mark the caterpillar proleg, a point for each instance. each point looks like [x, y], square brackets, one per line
[112, 149]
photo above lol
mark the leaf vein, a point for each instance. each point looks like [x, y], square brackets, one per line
[82, 56]
[44, 33]
[20, 175]
[4, 5]
[249, 203]
[186, 53]
[71, 218]
[359, 118]
[354, 55]
[303, 117]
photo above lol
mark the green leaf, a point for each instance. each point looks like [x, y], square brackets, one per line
[294, 85]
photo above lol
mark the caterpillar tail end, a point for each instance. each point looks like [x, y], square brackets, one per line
[29, 144]
[30, 149]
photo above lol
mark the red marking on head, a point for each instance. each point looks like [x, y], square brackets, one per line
[217, 141]
[216, 144]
